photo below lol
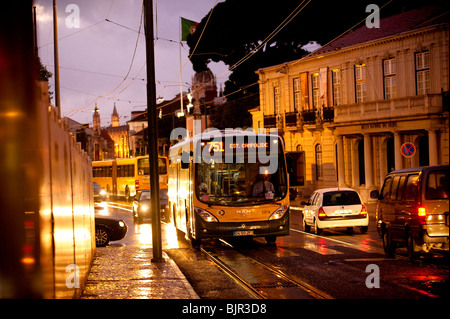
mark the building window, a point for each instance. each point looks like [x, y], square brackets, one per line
[422, 73]
[336, 80]
[276, 99]
[390, 81]
[315, 90]
[319, 168]
[297, 95]
[360, 83]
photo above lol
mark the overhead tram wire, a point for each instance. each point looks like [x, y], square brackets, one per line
[281, 26]
[123, 80]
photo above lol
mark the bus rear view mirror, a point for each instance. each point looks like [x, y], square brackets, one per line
[185, 160]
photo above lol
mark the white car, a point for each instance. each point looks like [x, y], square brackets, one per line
[335, 207]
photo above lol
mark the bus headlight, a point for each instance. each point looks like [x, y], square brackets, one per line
[206, 216]
[279, 212]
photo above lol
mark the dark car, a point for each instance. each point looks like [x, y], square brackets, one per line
[142, 205]
[109, 229]
[413, 210]
[100, 194]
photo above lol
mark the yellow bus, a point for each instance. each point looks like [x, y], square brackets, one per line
[229, 184]
[123, 177]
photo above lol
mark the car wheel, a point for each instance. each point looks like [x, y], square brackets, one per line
[101, 236]
[306, 227]
[270, 240]
[317, 230]
[388, 245]
[412, 247]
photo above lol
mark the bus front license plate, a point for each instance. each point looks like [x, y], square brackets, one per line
[243, 233]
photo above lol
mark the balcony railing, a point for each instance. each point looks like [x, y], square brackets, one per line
[309, 116]
[394, 108]
[270, 121]
[290, 119]
[328, 114]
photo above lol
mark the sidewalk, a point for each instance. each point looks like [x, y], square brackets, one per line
[126, 272]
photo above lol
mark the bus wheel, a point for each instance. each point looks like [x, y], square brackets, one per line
[195, 243]
[270, 240]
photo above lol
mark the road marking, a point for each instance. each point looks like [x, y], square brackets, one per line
[369, 259]
[119, 207]
[313, 235]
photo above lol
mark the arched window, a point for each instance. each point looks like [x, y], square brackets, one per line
[319, 168]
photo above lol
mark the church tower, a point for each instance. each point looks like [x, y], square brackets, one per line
[115, 117]
[96, 120]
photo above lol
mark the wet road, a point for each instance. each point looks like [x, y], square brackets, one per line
[336, 264]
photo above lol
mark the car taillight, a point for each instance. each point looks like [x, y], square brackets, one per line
[322, 213]
[363, 210]
[422, 213]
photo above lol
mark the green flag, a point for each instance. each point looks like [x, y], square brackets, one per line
[187, 27]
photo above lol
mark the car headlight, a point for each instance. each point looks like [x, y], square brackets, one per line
[279, 212]
[121, 224]
[103, 192]
[144, 207]
[206, 216]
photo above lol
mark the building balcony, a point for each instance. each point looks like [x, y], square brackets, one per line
[309, 116]
[270, 121]
[328, 114]
[421, 105]
[291, 119]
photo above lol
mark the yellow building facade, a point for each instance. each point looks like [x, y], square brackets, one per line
[346, 110]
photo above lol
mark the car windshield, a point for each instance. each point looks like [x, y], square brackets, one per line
[144, 195]
[241, 181]
[340, 198]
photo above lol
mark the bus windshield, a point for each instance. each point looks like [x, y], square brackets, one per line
[242, 181]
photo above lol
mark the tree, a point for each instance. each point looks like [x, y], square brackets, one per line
[236, 28]
[240, 29]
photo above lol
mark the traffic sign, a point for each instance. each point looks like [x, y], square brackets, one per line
[408, 149]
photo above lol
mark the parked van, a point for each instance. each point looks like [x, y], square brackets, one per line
[413, 210]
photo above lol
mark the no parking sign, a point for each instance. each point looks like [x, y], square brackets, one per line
[408, 149]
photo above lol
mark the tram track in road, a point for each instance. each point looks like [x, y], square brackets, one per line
[261, 280]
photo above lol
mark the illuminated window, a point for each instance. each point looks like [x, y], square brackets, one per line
[276, 99]
[360, 83]
[297, 95]
[422, 73]
[336, 80]
[315, 90]
[390, 81]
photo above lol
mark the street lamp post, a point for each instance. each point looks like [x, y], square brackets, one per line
[152, 134]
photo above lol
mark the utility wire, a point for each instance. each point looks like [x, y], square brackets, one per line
[124, 79]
